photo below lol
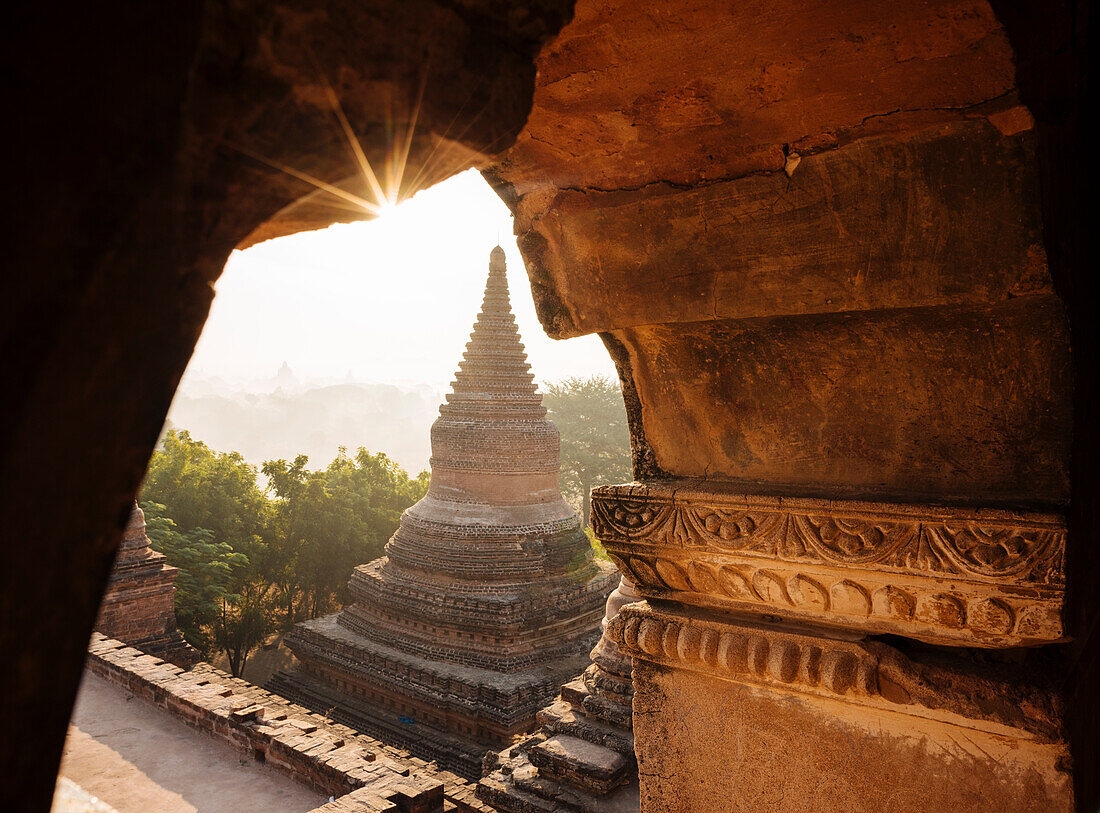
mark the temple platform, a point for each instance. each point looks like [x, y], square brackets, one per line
[447, 712]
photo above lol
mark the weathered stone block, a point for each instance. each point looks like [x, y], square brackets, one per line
[788, 715]
[779, 750]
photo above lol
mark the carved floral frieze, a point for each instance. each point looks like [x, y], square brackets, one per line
[964, 577]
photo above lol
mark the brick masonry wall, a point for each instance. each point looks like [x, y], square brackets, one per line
[140, 608]
[335, 760]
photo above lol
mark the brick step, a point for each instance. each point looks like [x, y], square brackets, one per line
[527, 778]
[581, 764]
[523, 788]
[561, 717]
[500, 792]
[609, 686]
[608, 711]
[574, 691]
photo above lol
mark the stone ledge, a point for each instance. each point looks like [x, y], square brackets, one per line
[589, 766]
[330, 758]
[514, 785]
[561, 717]
[941, 574]
[869, 675]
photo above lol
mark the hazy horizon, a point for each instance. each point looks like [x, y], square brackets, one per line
[389, 302]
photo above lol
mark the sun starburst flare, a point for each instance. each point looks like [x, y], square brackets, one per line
[386, 193]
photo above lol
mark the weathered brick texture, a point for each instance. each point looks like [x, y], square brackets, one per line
[138, 607]
[310, 748]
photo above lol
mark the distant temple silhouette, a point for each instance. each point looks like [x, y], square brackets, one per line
[488, 596]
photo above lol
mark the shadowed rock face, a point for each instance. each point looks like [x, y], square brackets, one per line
[837, 250]
[139, 170]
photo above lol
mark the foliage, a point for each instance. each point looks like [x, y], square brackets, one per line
[201, 488]
[326, 522]
[595, 441]
[242, 624]
[597, 547]
[251, 563]
[205, 575]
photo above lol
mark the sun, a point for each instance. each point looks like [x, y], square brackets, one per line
[385, 209]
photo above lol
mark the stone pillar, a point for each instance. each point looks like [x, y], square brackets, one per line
[766, 656]
[832, 255]
[583, 756]
[138, 607]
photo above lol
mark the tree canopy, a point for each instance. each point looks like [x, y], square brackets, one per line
[326, 522]
[253, 561]
[201, 488]
[206, 573]
[595, 440]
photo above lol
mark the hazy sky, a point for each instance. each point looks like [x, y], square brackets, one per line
[392, 300]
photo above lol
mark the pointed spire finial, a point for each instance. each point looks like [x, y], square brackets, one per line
[494, 372]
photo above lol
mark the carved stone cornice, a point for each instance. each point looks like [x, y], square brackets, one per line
[967, 577]
[865, 674]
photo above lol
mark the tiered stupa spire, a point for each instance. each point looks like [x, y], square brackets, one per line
[488, 595]
[494, 374]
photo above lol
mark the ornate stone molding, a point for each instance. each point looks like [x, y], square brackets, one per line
[945, 575]
[867, 674]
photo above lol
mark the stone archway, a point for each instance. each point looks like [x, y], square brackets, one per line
[837, 251]
[138, 172]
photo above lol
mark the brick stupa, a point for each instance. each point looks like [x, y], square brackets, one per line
[138, 607]
[488, 596]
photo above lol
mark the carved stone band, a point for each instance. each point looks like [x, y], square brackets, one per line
[944, 575]
[867, 674]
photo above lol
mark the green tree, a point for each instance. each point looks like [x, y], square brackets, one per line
[214, 496]
[201, 488]
[326, 522]
[251, 564]
[244, 621]
[206, 569]
[595, 440]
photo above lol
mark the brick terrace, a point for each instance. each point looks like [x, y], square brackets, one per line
[363, 773]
